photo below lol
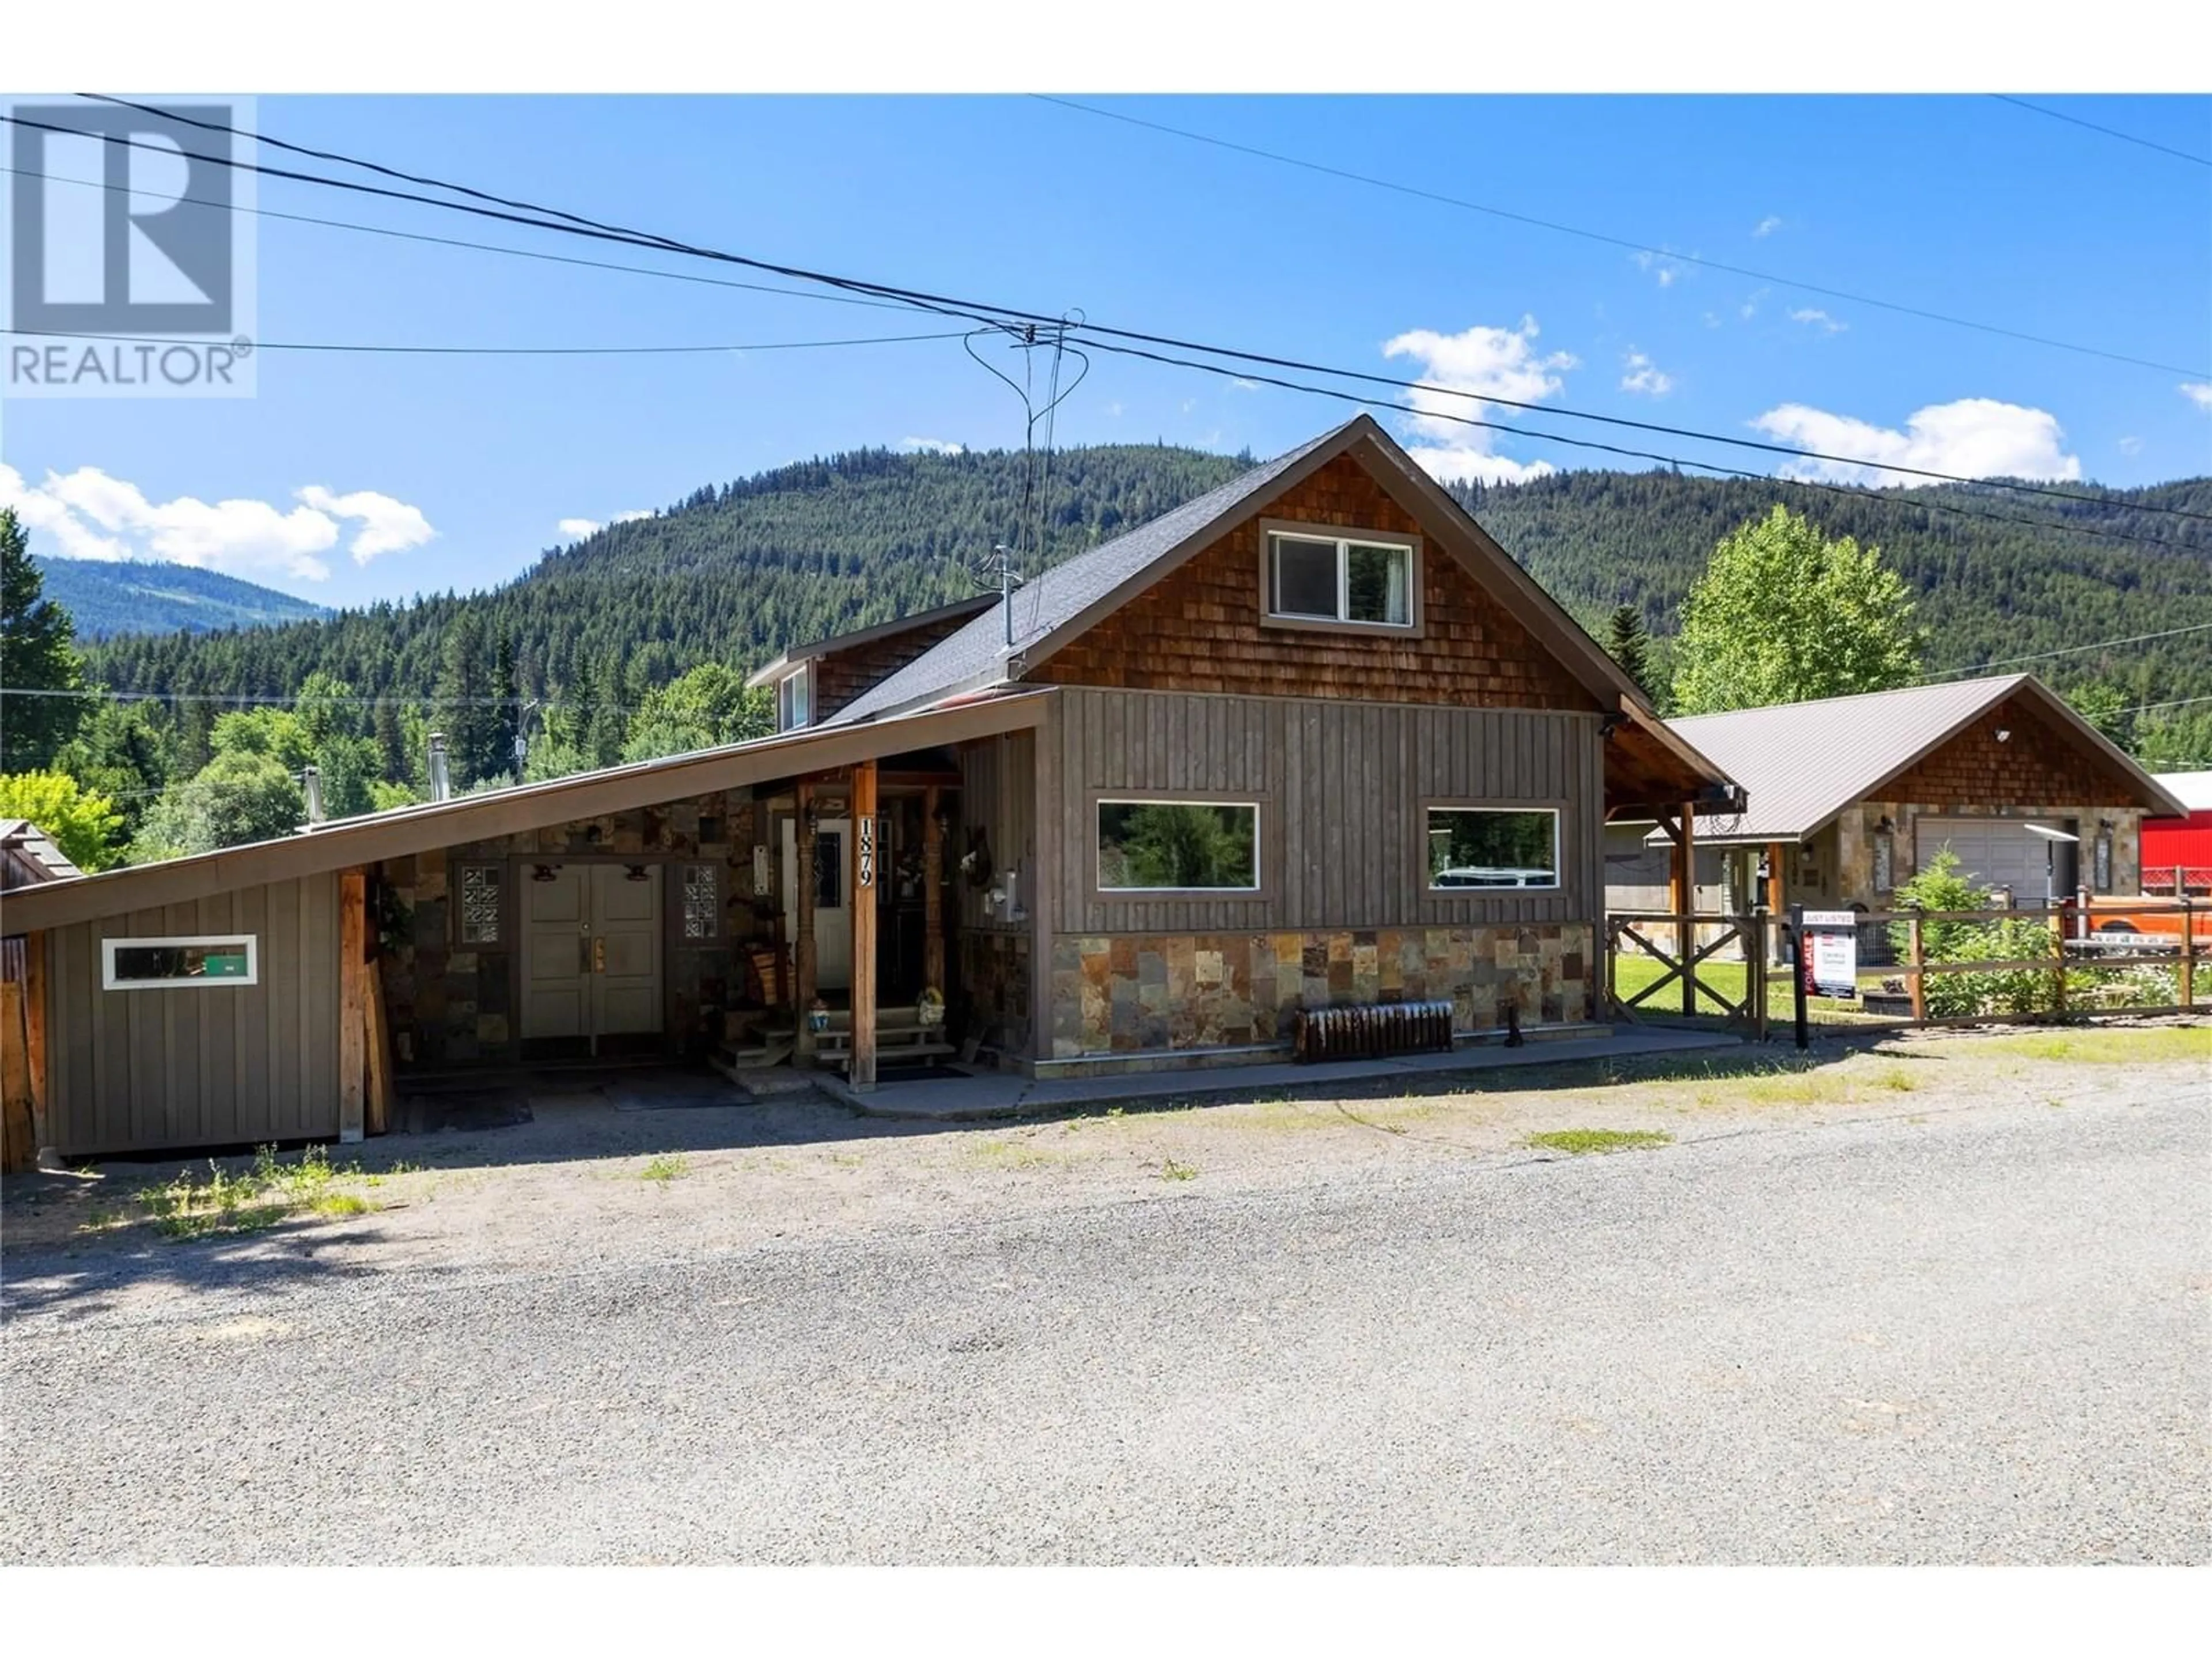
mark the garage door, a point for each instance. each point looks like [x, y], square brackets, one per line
[1992, 853]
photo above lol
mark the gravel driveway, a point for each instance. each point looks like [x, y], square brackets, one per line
[1920, 1332]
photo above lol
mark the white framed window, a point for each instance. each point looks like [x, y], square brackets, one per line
[1492, 848]
[1178, 846]
[167, 964]
[794, 699]
[1345, 581]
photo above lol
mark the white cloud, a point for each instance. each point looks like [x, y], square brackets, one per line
[1812, 317]
[89, 515]
[630, 513]
[1712, 320]
[1114, 411]
[1662, 270]
[1767, 226]
[2131, 446]
[1640, 373]
[1243, 384]
[577, 529]
[386, 526]
[1749, 308]
[2198, 392]
[1485, 363]
[932, 446]
[1973, 437]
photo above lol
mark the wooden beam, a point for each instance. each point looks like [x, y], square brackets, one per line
[1777, 888]
[802, 922]
[932, 890]
[35, 1019]
[1044, 873]
[379, 1039]
[17, 1152]
[353, 1003]
[866, 858]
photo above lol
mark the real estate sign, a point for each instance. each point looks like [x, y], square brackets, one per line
[1828, 953]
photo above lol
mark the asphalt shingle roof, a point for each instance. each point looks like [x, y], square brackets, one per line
[977, 653]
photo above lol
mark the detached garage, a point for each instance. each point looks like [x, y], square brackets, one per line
[1850, 796]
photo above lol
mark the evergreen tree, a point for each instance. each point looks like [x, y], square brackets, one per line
[1628, 644]
[507, 709]
[37, 653]
[391, 743]
[465, 714]
[1784, 615]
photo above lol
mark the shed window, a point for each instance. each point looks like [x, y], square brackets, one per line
[1486, 847]
[1340, 579]
[483, 886]
[1176, 846]
[142, 964]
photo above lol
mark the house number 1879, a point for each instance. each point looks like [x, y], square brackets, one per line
[866, 877]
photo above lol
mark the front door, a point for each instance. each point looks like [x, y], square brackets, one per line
[833, 922]
[592, 958]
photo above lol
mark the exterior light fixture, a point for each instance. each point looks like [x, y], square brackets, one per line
[541, 872]
[2004, 734]
[634, 873]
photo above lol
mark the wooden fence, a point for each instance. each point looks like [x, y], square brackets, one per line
[2056, 962]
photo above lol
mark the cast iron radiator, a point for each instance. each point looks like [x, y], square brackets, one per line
[1389, 1028]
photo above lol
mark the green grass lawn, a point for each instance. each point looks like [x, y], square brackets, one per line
[1633, 971]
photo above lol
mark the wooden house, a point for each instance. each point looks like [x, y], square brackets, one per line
[1312, 738]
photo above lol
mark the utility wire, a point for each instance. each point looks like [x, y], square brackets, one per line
[2067, 650]
[1915, 503]
[2109, 132]
[260, 212]
[1633, 246]
[1008, 318]
[2171, 702]
[500, 351]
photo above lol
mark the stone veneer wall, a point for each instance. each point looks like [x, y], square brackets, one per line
[1127, 994]
[994, 988]
[448, 1006]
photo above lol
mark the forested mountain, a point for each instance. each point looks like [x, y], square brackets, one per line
[106, 597]
[738, 571]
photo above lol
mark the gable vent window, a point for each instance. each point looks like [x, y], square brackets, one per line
[1346, 581]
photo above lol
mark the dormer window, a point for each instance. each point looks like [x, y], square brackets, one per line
[794, 699]
[1337, 579]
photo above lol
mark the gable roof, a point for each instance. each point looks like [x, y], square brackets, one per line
[1061, 603]
[2192, 789]
[345, 843]
[770, 672]
[1803, 763]
[28, 856]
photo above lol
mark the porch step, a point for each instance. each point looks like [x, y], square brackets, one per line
[730, 1061]
[887, 1035]
[889, 1055]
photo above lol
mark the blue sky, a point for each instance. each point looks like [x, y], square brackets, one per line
[347, 478]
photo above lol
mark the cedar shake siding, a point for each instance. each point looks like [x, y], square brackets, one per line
[2038, 762]
[839, 676]
[1204, 628]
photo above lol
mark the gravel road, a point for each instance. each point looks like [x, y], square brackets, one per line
[1982, 1337]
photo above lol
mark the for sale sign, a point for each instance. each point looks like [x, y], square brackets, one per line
[1828, 953]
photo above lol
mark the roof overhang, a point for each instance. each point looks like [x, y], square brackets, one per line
[352, 841]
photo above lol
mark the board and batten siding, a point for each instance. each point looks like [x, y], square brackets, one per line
[199, 1066]
[998, 795]
[1342, 789]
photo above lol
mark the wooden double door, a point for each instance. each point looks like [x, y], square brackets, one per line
[591, 966]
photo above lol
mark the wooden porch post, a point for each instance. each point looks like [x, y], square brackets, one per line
[802, 946]
[866, 859]
[933, 891]
[1777, 906]
[353, 1004]
[1683, 890]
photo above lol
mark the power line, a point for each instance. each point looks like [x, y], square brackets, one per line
[2171, 702]
[2109, 132]
[242, 700]
[2067, 650]
[1917, 504]
[500, 351]
[999, 316]
[1617, 241]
